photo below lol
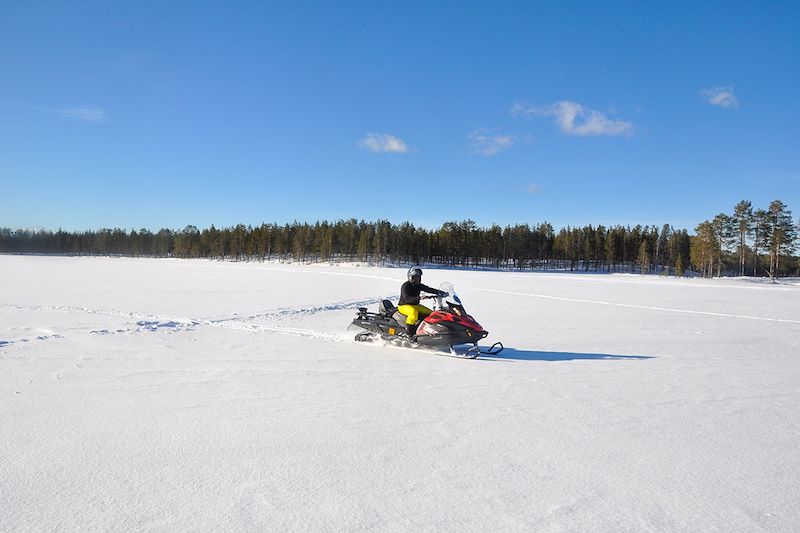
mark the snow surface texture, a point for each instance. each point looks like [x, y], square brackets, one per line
[167, 395]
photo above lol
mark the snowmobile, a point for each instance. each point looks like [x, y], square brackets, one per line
[448, 329]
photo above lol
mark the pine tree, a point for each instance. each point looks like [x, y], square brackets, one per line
[724, 236]
[743, 222]
[760, 235]
[703, 247]
[643, 259]
[299, 243]
[782, 234]
[662, 245]
[611, 250]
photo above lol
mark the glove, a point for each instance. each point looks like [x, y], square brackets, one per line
[443, 294]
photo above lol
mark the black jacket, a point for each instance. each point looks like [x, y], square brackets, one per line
[409, 293]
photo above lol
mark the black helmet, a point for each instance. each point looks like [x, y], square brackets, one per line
[414, 271]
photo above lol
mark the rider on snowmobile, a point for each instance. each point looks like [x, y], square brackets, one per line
[409, 299]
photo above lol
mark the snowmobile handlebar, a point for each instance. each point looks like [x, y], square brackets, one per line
[429, 296]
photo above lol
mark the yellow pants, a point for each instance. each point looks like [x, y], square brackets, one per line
[413, 312]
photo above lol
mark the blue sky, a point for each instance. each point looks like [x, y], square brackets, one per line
[163, 114]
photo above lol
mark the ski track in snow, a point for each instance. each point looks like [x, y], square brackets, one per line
[44, 334]
[294, 312]
[155, 323]
[282, 330]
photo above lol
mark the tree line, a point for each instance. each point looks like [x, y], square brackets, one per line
[747, 242]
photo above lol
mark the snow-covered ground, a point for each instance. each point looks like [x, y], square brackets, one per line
[167, 395]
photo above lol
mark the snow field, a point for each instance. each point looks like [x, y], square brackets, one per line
[154, 395]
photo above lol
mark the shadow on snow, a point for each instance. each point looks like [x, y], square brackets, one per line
[530, 355]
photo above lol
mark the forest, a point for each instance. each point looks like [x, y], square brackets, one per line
[745, 242]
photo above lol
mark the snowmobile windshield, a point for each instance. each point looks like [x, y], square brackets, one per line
[451, 292]
[452, 299]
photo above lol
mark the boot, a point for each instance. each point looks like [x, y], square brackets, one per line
[411, 330]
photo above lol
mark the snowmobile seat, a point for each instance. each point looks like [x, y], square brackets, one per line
[386, 308]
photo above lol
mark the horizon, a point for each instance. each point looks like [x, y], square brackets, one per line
[121, 116]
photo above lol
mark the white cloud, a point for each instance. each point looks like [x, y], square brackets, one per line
[573, 118]
[86, 113]
[482, 143]
[383, 143]
[720, 96]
